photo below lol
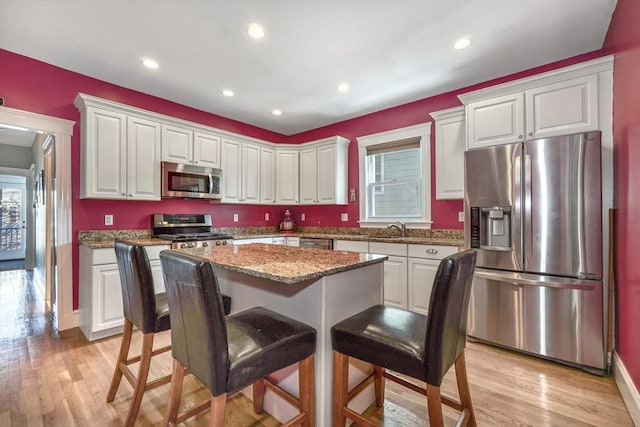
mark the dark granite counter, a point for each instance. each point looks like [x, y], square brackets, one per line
[285, 264]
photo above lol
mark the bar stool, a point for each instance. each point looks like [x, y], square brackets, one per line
[418, 346]
[146, 311]
[227, 354]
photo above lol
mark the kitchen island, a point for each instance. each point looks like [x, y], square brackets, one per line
[317, 287]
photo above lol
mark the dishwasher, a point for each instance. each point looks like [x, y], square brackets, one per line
[316, 243]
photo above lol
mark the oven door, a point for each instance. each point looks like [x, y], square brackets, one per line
[192, 182]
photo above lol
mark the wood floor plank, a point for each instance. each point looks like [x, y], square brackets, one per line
[59, 379]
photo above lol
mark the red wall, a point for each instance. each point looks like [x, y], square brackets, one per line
[623, 39]
[31, 85]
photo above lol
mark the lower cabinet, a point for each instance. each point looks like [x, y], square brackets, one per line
[100, 302]
[423, 265]
[395, 272]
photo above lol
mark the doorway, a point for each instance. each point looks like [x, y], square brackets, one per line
[13, 204]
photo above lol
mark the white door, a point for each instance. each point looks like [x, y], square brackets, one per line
[12, 217]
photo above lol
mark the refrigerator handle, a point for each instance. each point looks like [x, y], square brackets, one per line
[527, 223]
[516, 220]
[526, 279]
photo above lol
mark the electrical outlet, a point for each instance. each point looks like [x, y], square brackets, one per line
[266, 216]
[108, 220]
[344, 217]
[235, 217]
[303, 217]
[461, 216]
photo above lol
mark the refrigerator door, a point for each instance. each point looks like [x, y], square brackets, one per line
[558, 318]
[562, 206]
[493, 210]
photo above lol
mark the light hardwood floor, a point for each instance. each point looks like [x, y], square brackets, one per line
[60, 379]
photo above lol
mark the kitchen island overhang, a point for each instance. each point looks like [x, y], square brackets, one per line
[318, 287]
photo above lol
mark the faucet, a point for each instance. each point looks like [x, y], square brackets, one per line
[401, 226]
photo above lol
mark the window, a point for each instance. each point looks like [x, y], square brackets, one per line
[395, 177]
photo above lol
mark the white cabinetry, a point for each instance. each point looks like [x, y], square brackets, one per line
[395, 272]
[323, 171]
[292, 241]
[120, 152]
[184, 145]
[100, 293]
[559, 102]
[267, 175]
[423, 264]
[450, 147]
[120, 155]
[351, 246]
[287, 165]
[241, 169]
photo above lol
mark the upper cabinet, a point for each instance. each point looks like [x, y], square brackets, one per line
[183, 145]
[559, 102]
[323, 172]
[450, 146]
[287, 184]
[120, 155]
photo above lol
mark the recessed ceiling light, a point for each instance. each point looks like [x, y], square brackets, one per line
[149, 63]
[227, 92]
[462, 43]
[255, 30]
[276, 112]
[343, 87]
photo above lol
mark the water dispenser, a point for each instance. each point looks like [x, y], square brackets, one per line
[491, 228]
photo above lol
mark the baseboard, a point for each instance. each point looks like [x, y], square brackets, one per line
[627, 389]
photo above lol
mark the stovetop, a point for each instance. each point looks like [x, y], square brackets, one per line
[185, 237]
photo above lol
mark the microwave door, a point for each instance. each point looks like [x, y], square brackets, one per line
[210, 184]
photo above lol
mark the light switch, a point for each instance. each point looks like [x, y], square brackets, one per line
[235, 217]
[461, 216]
[344, 217]
[303, 217]
[108, 220]
[266, 216]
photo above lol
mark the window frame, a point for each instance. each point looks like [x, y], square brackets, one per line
[423, 131]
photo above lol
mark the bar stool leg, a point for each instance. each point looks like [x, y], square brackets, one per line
[463, 388]
[258, 396]
[378, 385]
[218, 406]
[175, 393]
[340, 387]
[122, 359]
[434, 402]
[141, 383]
[307, 388]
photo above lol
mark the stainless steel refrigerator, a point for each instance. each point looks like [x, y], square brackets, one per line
[533, 211]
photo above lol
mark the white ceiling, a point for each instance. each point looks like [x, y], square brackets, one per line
[389, 51]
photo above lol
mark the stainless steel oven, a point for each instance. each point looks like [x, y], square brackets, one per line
[187, 230]
[192, 182]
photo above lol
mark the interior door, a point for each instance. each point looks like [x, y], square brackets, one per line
[12, 217]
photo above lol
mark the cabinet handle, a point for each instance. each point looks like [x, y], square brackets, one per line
[520, 136]
[530, 133]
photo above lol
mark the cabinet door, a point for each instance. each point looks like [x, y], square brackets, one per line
[231, 157]
[450, 147]
[562, 108]
[143, 159]
[107, 298]
[308, 176]
[293, 241]
[177, 144]
[395, 282]
[206, 150]
[158, 278]
[267, 175]
[422, 272]
[495, 121]
[104, 155]
[286, 177]
[250, 173]
[350, 245]
[328, 175]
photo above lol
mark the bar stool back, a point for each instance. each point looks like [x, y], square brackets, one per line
[417, 346]
[146, 311]
[227, 354]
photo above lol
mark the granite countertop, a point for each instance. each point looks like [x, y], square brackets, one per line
[105, 238]
[285, 264]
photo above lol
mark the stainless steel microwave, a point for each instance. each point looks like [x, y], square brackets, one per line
[191, 182]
